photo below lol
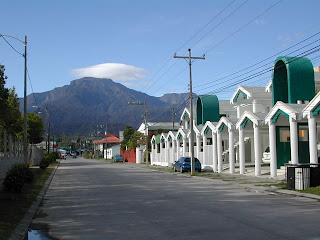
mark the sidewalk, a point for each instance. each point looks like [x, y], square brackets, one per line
[248, 180]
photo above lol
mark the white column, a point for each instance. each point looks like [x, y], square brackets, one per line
[166, 147]
[219, 150]
[273, 149]
[254, 106]
[190, 145]
[257, 150]
[313, 139]
[204, 154]
[231, 151]
[174, 142]
[252, 154]
[242, 153]
[184, 146]
[294, 141]
[214, 151]
[178, 149]
[198, 145]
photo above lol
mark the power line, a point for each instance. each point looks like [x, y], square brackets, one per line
[181, 48]
[215, 83]
[206, 26]
[220, 23]
[243, 27]
[306, 53]
[11, 45]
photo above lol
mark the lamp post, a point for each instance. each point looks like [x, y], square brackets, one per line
[145, 126]
[25, 124]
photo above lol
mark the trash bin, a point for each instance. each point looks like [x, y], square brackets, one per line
[298, 177]
[302, 178]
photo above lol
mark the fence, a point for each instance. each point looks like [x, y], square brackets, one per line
[129, 155]
[11, 151]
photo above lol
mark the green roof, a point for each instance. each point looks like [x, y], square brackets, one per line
[293, 79]
[207, 109]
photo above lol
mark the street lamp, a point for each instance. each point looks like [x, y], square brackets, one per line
[25, 125]
[145, 125]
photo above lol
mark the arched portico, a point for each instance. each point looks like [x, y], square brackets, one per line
[209, 134]
[311, 111]
[288, 135]
[225, 143]
[253, 124]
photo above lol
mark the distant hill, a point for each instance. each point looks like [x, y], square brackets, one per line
[88, 105]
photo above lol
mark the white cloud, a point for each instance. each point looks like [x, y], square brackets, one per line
[115, 71]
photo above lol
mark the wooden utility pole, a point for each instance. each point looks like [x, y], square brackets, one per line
[191, 107]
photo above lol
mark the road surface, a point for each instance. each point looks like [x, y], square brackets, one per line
[88, 199]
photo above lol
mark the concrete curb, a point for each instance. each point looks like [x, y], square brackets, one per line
[22, 228]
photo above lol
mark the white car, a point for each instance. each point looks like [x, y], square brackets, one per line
[266, 155]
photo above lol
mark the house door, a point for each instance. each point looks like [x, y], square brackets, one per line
[283, 146]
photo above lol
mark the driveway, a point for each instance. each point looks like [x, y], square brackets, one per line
[88, 199]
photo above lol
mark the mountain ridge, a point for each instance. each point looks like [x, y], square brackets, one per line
[84, 104]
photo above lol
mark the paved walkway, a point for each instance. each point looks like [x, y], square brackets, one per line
[88, 199]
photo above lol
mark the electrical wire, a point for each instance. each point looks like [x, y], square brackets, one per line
[11, 45]
[147, 83]
[217, 82]
[220, 23]
[210, 49]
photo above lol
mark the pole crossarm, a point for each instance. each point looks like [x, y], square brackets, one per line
[191, 107]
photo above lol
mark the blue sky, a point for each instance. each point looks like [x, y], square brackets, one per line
[132, 42]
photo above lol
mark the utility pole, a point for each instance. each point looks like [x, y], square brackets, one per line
[146, 132]
[173, 116]
[191, 107]
[48, 128]
[25, 124]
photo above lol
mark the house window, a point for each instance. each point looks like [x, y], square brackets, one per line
[284, 135]
[303, 133]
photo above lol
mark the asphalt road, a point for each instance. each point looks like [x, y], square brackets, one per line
[88, 199]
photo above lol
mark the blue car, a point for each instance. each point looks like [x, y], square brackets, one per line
[184, 164]
[118, 158]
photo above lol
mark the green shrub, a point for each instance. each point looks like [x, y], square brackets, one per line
[52, 157]
[17, 176]
[45, 162]
[86, 155]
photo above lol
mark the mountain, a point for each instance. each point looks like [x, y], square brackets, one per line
[90, 105]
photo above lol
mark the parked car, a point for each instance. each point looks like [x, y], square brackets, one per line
[118, 158]
[184, 164]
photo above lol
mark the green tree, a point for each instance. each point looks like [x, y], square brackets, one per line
[35, 128]
[130, 138]
[4, 93]
[12, 120]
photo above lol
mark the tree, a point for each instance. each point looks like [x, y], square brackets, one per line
[130, 138]
[35, 128]
[4, 93]
[12, 120]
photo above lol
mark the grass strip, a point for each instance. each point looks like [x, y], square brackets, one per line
[14, 206]
[312, 190]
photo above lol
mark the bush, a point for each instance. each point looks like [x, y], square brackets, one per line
[17, 176]
[52, 157]
[86, 155]
[45, 162]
